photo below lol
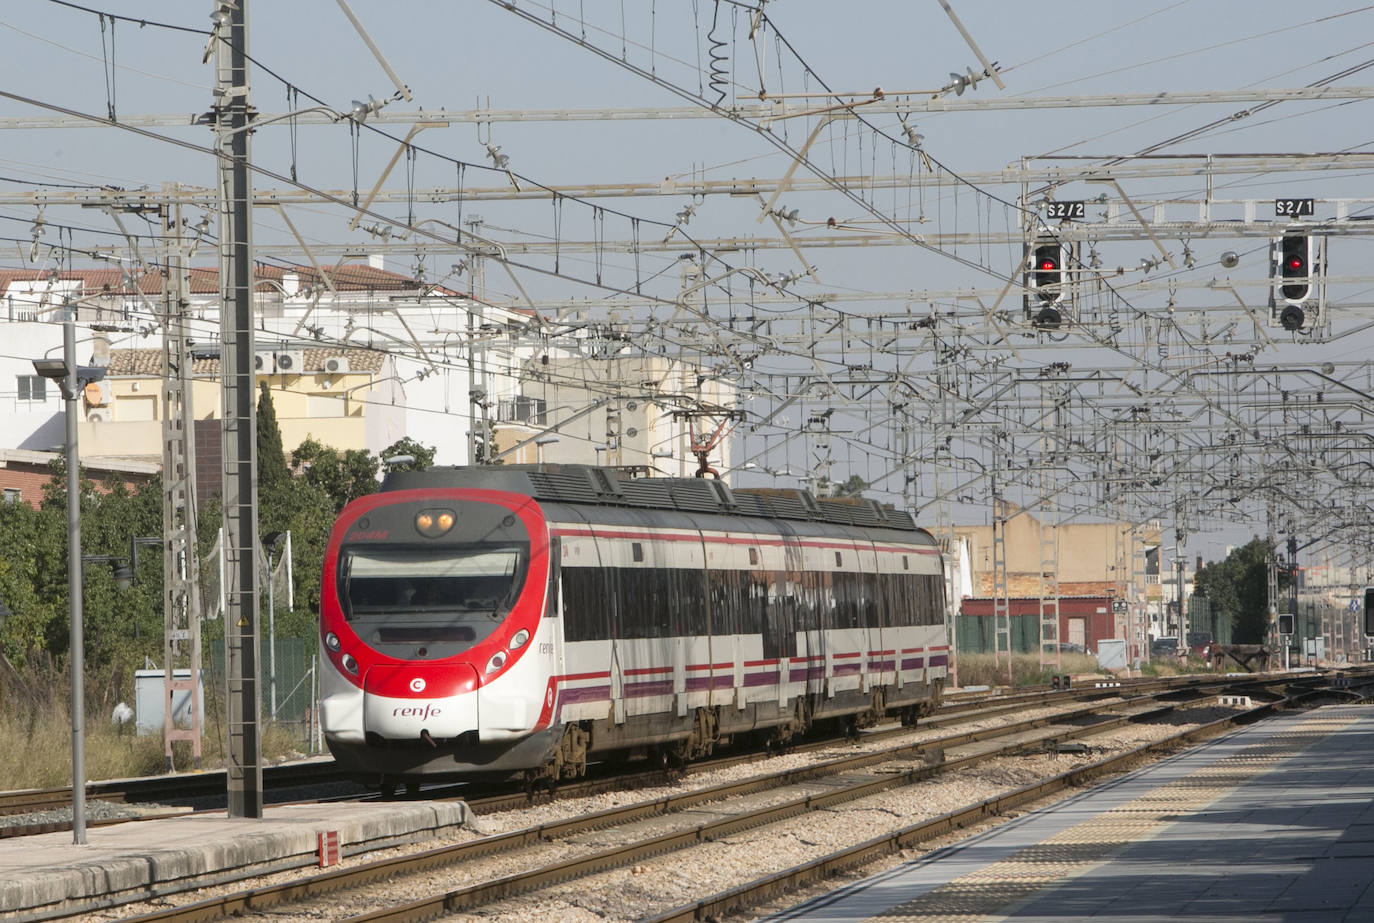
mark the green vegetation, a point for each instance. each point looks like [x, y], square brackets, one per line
[1026, 670]
[123, 629]
[1239, 587]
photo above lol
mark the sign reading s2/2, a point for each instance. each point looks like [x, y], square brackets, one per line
[1065, 211]
[1294, 208]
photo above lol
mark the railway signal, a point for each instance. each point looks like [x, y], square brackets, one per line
[1295, 266]
[1046, 278]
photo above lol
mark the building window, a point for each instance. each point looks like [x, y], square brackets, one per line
[33, 388]
[521, 410]
[13, 495]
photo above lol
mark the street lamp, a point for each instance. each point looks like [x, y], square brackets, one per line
[539, 447]
[119, 566]
[71, 378]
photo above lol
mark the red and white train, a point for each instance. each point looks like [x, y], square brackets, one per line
[506, 620]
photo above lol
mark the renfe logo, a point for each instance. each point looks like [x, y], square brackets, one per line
[417, 684]
[414, 711]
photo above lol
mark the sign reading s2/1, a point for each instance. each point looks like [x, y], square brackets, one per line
[1065, 211]
[1294, 208]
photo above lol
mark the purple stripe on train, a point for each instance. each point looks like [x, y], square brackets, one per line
[571, 695]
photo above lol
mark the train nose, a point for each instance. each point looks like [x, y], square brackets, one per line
[424, 702]
[420, 681]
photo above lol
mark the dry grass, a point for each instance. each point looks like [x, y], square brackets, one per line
[36, 749]
[1026, 669]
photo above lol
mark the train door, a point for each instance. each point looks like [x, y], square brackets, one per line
[798, 602]
[865, 602]
[813, 611]
[551, 643]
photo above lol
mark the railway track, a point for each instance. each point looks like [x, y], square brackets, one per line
[832, 782]
[203, 790]
[206, 791]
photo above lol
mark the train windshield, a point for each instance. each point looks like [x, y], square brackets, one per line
[447, 599]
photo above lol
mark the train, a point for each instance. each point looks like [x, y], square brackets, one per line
[526, 621]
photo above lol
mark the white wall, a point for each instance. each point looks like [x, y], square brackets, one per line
[37, 425]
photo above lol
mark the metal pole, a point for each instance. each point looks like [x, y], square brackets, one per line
[238, 451]
[271, 642]
[70, 392]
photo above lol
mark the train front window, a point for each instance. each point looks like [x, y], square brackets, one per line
[442, 600]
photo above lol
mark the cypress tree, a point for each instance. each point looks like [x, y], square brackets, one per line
[272, 468]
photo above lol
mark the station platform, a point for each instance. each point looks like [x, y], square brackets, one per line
[1274, 822]
[48, 874]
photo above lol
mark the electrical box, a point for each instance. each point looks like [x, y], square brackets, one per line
[148, 698]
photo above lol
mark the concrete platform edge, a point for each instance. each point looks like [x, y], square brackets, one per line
[117, 868]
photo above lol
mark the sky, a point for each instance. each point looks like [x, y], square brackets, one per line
[144, 58]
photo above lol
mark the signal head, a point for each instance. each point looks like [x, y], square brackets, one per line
[1048, 277]
[1295, 268]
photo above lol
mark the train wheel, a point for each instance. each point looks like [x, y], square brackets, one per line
[705, 732]
[571, 759]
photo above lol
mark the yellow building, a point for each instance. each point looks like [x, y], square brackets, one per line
[344, 398]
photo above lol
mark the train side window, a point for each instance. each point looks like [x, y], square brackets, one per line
[906, 563]
[839, 559]
[586, 603]
[753, 556]
[637, 551]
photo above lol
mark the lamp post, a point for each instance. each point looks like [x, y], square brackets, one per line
[270, 543]
[70, 379]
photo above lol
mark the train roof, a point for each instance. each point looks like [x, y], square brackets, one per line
[599, 486]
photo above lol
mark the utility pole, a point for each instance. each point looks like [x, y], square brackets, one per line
[239, 460]
[180, 557]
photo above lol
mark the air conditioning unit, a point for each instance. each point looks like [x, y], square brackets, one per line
[265, 361]
[291, 362]
[336, 365]
[99, 415]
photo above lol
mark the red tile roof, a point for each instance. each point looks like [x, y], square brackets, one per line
[135, 363]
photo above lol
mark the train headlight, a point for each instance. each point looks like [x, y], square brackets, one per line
[518, 640]
[331, 641]
[497, 661]
[350, 664]
[434, 523]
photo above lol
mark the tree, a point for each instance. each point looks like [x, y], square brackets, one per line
[423, 455]
[484, 447]
[272, 468]
[854, 486]
[307, 512]
[343, 476]
[1239, 587]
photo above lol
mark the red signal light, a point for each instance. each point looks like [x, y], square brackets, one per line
[1294, 263]
[1048, 265]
